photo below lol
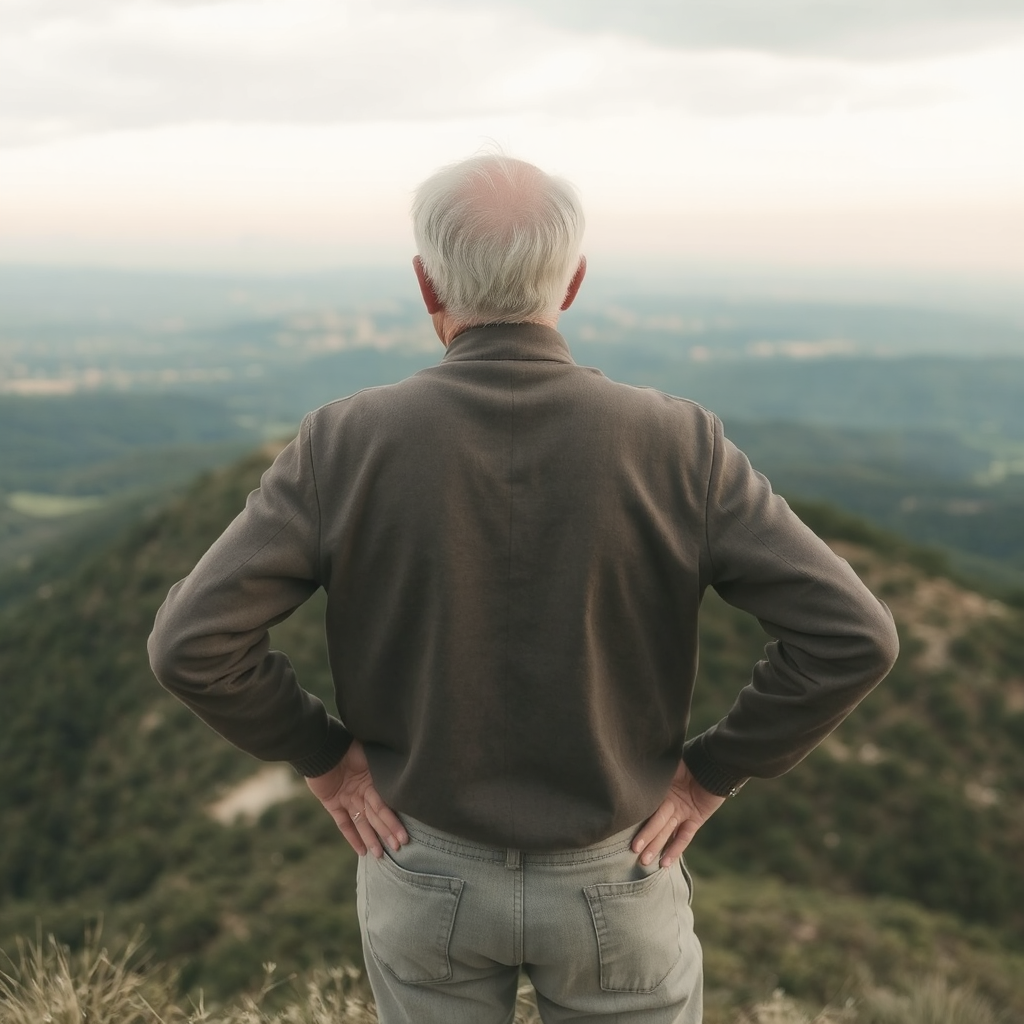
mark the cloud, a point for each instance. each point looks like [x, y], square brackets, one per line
[68, 68]
[78, 66]
[861, 29]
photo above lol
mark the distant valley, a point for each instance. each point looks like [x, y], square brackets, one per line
[115, 388]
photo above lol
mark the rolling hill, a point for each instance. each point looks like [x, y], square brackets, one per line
[894, 848]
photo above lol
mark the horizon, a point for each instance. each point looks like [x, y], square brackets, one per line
[990, 296]
[220, 135]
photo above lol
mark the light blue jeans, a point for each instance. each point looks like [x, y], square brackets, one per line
[447, 924]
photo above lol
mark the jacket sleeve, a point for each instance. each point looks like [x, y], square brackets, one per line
[833, 640]
[210, 645]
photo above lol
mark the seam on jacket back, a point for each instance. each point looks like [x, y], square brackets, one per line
[508, 593]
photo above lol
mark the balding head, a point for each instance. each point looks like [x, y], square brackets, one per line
[499, 240]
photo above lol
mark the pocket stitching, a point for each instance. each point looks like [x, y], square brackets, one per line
[443, 885]
[601, 891]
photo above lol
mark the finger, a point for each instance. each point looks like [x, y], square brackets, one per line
[659, 842]
[653, 826]
[385, 834]
[682, 840]
[367, 832]
[350, 832]
[388, 825]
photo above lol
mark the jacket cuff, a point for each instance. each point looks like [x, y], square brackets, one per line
[331, 751]
[709, 773]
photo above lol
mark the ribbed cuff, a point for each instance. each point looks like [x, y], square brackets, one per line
[707, 772]
[334, 748]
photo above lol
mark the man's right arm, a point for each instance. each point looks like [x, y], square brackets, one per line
[671, 828]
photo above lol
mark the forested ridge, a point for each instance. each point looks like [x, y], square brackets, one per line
[893, 848]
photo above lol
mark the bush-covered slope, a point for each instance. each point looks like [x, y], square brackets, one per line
[919, 794]
[106, 786]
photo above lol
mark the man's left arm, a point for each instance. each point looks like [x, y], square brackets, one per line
[833, 642]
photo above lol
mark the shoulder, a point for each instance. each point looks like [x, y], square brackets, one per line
[367, 406]
[359, 401]
[657, 407]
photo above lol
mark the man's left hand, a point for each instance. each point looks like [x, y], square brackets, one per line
[348, 794]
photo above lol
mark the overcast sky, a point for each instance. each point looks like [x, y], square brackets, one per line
[290, 133]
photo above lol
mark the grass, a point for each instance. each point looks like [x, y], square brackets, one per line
[48, 983]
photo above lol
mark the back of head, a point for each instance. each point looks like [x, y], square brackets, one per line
[499, 239]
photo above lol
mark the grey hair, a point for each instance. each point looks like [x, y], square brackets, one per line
[499, 239]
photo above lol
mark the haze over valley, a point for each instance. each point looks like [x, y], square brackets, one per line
[115, 385]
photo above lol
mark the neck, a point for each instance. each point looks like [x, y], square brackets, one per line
[448, 328]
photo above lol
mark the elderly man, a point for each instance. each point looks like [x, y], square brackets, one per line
[514, 550]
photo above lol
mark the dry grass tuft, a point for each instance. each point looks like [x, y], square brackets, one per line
[48, 984]
[780, 1009]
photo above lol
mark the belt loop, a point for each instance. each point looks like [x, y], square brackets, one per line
[512, 859]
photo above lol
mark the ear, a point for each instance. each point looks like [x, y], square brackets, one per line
[430, 299]
[574, 284]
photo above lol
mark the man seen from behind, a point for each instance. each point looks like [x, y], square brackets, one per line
[514, 550]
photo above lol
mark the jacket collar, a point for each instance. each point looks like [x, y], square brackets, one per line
[509, 341]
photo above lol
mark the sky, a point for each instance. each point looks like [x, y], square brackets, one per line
[822, 135]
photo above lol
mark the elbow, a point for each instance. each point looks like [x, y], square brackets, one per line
[164, 657]
[164, 645]
[884, 641]
[175, 664]
[170, 651]
[194, 663]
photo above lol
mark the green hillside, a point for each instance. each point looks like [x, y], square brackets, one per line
[931, 486]
[76, 469]
[46, 437]
[894, 848]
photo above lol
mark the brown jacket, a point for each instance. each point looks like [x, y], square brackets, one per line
[514, 550]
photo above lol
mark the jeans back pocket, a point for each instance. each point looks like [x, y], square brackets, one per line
[637, 928]
[409, 920]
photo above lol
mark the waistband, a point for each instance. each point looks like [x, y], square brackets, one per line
[456, 846]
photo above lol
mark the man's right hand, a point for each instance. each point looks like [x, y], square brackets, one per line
[349, 796]
[669, 830]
